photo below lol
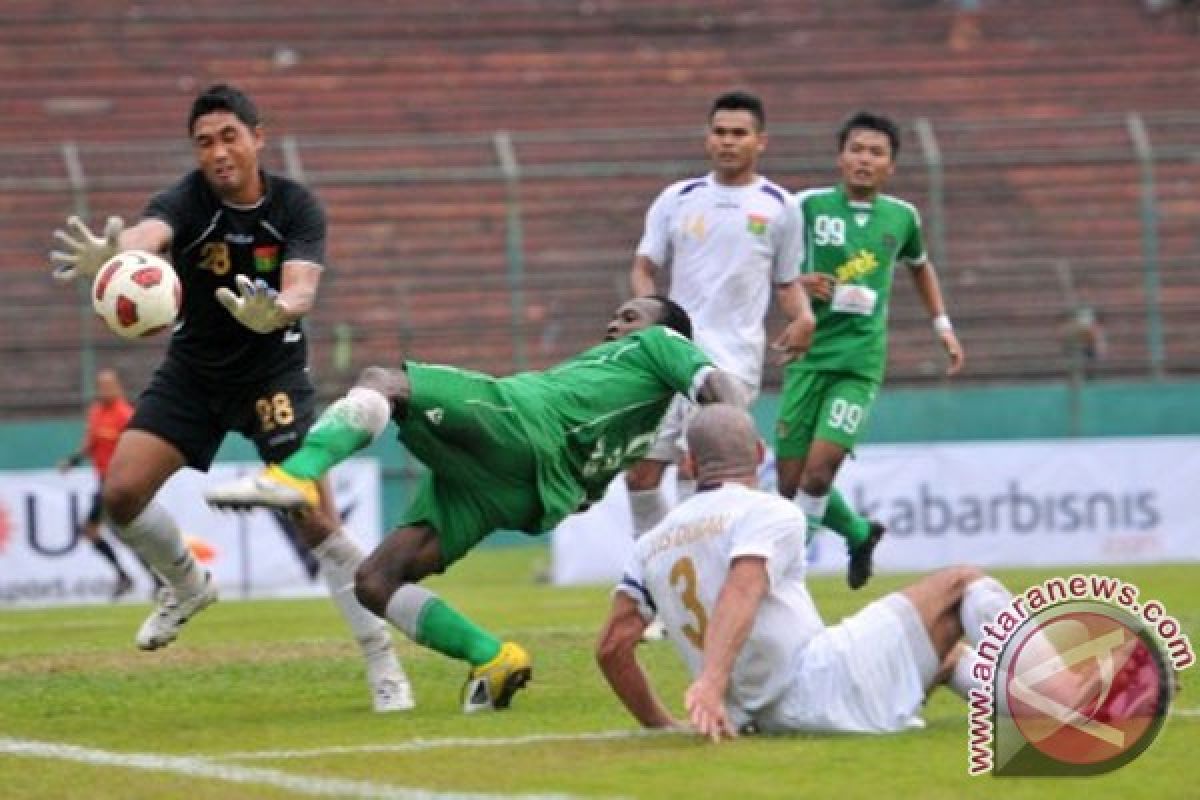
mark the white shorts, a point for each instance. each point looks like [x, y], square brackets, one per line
[670, 443]
[867, 674]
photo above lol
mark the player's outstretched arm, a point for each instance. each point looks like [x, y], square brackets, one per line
[738, 603]
[925, 278]
[263, 309]
[616, 653]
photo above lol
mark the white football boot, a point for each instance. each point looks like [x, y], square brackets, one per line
[173, 611]
[390, 689]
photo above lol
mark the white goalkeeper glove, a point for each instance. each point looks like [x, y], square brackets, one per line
[84, 252]
[256, 306]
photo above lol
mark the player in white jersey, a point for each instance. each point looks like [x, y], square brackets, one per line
[725, 572]
[726, 239]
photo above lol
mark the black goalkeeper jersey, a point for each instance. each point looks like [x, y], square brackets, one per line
[212, 243]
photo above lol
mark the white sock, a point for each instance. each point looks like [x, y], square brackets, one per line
[405, 605]
[812, 506]
[362, 409]
[648, 507]
[155, 537]
[961, 681]
[339, 556]
[684, 488]
[982, 602]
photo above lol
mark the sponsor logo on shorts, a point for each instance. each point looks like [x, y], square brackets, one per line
[1075, 678]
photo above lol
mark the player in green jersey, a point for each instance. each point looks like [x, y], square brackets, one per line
[853, 238]
[515, 453]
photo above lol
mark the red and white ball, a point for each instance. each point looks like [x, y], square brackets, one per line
[137, 294]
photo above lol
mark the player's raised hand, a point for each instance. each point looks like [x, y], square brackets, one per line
[83, 252]
[256, 305]
[954, 351]
[706, 711]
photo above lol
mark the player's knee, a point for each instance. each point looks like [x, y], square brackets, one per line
[959, 577]
[391, 383]
[122, 501]
[816, 481]
[372, 589]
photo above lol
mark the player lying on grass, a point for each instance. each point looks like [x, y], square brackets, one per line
[515, 453]
[725, 572]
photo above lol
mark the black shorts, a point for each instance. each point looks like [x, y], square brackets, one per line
[194, 414]
[96, 512]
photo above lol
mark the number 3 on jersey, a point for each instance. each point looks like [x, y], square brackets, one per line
[683, 580]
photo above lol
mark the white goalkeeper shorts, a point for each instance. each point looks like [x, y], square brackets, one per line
[867, 674]
[670, 443]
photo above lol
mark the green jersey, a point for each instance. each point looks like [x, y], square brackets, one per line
[859, 243]
[595, 414]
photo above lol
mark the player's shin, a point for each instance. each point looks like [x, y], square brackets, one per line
[155, 537]
[339, 556]
[840, 518]
[428, 620]
[347, 426]
[813, 506]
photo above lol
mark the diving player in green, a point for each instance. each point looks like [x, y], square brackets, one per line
[854, 236]
[515, 453]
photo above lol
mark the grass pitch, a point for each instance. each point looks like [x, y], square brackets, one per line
[266, 699]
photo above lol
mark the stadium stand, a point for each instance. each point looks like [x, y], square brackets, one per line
[393, 116]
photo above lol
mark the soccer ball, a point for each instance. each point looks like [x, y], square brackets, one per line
[136, 294]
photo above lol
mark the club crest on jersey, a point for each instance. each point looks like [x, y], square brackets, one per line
[861, 218]
[266, 258]
[756, 224]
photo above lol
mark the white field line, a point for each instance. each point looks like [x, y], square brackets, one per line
[416, 745]
[311, 786]
[1185, 712]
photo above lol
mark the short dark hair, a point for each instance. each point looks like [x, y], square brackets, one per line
[223, 97]
[673, 316]
[871, 122]
[740, 100]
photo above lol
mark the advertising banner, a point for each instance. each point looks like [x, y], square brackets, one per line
[45, 559]
[1030, 503]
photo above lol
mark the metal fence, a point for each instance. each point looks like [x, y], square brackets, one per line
[505, 251]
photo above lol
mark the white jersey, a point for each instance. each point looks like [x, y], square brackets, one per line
[678, 568]
[725, 246]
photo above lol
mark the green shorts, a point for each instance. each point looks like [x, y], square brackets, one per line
[482, 470]
[832, 406]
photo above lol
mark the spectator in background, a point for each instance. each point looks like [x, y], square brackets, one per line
[966, 28]
[1084, 340]
[106, 418]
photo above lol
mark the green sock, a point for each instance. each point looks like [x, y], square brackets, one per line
[443, 629]
[843, 520]
[329, 442]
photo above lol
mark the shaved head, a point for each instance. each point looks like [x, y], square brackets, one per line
[723, 444]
